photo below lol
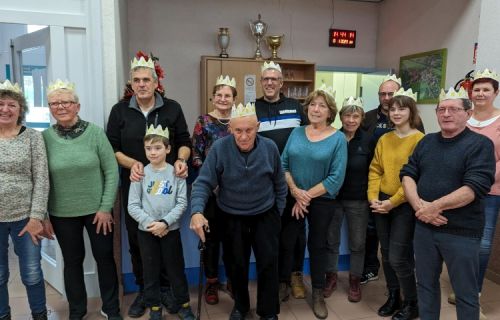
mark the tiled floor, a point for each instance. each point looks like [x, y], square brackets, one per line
[339, 307]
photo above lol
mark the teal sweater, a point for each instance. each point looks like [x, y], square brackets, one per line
[83, 173]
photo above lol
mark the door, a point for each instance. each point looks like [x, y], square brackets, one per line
[34, 66]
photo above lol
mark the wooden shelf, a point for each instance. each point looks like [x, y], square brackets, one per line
[298, 77]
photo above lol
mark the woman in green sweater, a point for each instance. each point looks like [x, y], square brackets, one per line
[83, 183]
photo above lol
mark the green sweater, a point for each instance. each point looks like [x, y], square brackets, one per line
[83, 173]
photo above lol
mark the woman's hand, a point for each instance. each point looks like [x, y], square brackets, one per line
[199, 224]
[383, 206]
[48, 230]
[299, 210]
[301, 196]
[35, 228]
[181, 169]
[136, 171]
[104, 222]
[158, 228]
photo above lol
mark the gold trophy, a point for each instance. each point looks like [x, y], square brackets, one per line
[259, 29]
[274, 42]
[223, 40]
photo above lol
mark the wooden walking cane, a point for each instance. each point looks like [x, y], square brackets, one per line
[201, 247]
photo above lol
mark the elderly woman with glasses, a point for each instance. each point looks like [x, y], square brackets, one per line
[83, 184]
[23, 200]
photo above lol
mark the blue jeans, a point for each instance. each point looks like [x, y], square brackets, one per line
[29, 265]
[491, 211]
[461, 255]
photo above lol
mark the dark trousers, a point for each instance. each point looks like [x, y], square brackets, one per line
[132, 230]
[395, 231]
[319, 218]
[372, 264]
[292, 242]
[261, 233]
[213, 240]
[461, 256]
[69, 232]
[157, 252]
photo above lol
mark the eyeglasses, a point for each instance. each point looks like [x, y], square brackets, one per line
[389, 94]
[64, 104]
[266, 79]
[451, 110]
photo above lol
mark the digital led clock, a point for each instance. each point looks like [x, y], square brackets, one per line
[342, 38]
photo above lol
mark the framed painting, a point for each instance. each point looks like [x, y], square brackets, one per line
[425, 73]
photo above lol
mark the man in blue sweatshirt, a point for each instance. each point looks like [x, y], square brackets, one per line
[246, 171]
[445, 181]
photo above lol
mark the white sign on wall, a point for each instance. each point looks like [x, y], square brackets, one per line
[250, 91]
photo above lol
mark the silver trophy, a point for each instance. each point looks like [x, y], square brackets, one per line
[259, 29]
[223, 40]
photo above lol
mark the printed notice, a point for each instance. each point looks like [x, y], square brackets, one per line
[250, 91]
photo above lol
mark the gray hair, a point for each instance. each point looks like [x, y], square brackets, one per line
[352, 109]
[64, 90]
[153, 72]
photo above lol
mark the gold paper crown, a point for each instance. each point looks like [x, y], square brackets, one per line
[328, 90]
[452, 94]
[487, 73]
[142, 63]
[59, 84]
[158, 131]
[351, 101]
[408, 93]
[221, 80]
[243, 111]
[270, 65]
[14, 87]
[392, 77]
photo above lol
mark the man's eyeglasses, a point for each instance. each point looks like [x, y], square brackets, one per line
[64, 104]
[451, 110]
[272, 79]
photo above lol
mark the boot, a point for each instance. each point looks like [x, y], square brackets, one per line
[319, 306]
[330, 284]
[284, 292]
[298, 288]
[212, 291]
[392, 304]
[354, 288]
[408, 311]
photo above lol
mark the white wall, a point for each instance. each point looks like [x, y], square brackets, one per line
[179, 32]
[8, 31]
[408, 27]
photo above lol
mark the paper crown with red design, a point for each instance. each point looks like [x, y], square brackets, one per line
[8, 86]
[226, 81]
[452, 94]
[142, 62]
[407, 93]
[486, 73]
[392, 77]
[159, 131]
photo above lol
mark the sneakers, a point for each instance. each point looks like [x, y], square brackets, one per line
[237, 315]
[297, 284]
[284, 292]
[330, 284]
[185, 312]
[109, 317]
[212, 291]
[137, 308]
[36, 316]
[368, 276]
[167, 299]
[155, 313]
[6, 317]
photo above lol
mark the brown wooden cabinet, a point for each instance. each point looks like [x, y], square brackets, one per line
[298, 77]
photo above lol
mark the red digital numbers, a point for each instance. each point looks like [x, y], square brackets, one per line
[342, 38]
